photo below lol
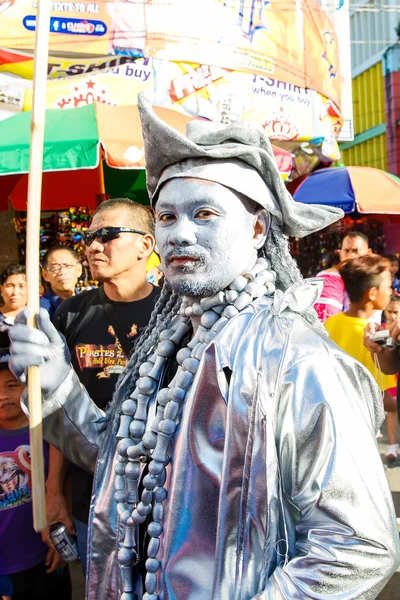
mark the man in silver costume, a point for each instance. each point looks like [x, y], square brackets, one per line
[238, 457]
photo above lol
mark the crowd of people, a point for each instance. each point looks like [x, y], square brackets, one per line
[359, 288]
[255, 382]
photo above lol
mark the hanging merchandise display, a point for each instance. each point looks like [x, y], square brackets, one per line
[48, 234]
[72, 224]
[63, 228]
[311, 252]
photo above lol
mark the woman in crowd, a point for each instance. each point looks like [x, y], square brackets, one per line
[13, 292]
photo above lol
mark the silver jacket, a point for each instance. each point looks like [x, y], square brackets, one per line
[276, 490]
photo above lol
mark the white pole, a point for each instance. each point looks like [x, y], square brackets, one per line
[32, 253]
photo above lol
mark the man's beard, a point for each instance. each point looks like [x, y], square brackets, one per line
[185, 283]
[196, 289]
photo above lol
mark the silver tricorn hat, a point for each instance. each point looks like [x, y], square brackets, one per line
[238, 156]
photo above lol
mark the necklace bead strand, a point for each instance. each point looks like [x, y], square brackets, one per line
[136, 444]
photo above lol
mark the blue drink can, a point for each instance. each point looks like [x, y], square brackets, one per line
[64, 542]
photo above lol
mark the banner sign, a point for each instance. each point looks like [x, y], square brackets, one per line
[21, 63]
[287, 113]
[287, 40]
[339, 13]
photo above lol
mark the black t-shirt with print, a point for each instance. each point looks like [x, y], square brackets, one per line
[98, 359]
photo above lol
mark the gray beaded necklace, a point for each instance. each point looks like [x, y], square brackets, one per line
[137, 445]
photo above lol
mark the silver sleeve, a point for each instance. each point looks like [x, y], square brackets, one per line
[72, 422]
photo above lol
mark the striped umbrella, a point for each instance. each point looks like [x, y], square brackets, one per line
[364, 189]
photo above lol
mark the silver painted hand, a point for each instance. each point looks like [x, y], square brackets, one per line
[44, 347]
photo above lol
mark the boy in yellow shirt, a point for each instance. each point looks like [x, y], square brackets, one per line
[367, 281]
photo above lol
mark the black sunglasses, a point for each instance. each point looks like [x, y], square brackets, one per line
[106, 234]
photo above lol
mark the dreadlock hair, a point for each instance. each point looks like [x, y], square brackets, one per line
[277, 249]
[165, 309]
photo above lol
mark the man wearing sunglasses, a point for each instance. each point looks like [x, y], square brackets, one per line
[118, 244]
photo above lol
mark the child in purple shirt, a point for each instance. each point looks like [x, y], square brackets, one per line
[29, 570]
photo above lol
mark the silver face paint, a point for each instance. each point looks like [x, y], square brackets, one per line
[205, 235]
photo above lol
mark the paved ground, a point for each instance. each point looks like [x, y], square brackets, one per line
[391, 591]
[78, 582]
